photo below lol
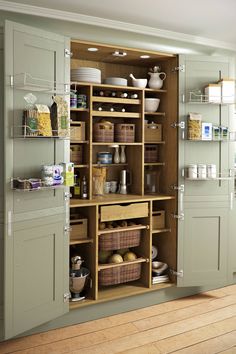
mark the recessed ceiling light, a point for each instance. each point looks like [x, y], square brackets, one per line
[93, 49]
[145, 56]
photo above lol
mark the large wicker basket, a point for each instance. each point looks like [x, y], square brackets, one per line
[118, 275]
[103, 132]
[118, 240]
[125, 133]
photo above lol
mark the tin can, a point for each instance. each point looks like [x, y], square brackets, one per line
[202, 171]
[81, 101]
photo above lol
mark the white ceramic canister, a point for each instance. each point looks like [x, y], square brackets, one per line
[202, 171]
[211, 171]
[192, 171]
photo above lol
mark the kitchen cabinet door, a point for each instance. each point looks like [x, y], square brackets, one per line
[203, 205]
[35, 243]
[203, 249]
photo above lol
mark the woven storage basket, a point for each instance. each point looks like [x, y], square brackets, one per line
[152, 132]
[78, 132]
[125, 133]
[150, 153]
[103, 132]
[118, 240]
[118, 275]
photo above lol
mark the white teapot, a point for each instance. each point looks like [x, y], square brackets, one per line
[155, 81]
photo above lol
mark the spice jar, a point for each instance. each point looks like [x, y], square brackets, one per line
[211, 171]
[202, 171]
[73, 99]
[192, 171]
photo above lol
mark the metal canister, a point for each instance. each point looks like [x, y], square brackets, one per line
[202, 171]
[211, 171]
[81, 101]
[192, 171]
[73, 99]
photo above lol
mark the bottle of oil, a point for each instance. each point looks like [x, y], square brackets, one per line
[83, 188]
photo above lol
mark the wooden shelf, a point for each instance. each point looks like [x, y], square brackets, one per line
[116, 114]
[114, 198]
[107, 144]
[155, 90]
[79, 109]
[159, 231]
[116, 100]
[79, 142]
[154, 113]
[73, 122]
[120, 229]
[109, 164]
[81, 166]
[154, 163]
[78, 242]
[115, 265]
[154, 142]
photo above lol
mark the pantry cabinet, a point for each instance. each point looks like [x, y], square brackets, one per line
[186, 221]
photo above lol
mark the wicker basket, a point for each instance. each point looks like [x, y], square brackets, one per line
[76, 154]
[151, 153]
[118, 275]
[118, 240]
[125, 133]
[77, 132]
[103, 132]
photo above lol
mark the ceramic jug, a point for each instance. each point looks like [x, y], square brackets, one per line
[155, 81]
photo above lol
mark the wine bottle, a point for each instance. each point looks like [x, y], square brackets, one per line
[83, 188]
[134, 95]
[122, 94]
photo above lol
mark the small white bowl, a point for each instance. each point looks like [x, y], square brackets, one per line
[157, 264]
[151, 104]
[118, 81]
[142, 83]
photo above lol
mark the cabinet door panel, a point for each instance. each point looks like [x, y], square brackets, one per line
[203, 241]
[35, 277]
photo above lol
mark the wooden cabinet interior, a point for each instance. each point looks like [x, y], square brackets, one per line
[165, 165]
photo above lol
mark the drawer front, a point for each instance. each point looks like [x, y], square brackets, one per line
[122, 212]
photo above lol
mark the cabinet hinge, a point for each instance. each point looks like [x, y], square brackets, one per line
[67, 196]
[180, 68]
[177, 188]
[179, 274]
[180, 125]
[66, 297]
[68, 53]
[178, 216]
[67, 228]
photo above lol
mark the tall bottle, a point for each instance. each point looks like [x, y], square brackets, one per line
[83, 188]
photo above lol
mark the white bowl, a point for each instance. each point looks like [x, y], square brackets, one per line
[151, 104]
[118, 81]
[157, 264]
[142, 83]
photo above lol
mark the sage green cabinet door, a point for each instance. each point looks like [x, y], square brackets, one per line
[36, 261]
[203, 246]
[36, 275]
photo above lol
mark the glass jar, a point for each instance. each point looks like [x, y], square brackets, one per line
[202, 171]
[192, 171]
[211, 171]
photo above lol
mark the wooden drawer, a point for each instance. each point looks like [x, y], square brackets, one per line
[78, 229]
[122, 212]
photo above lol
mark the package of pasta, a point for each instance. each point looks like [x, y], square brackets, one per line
[59, 117]
[194, 126]
[44, 121]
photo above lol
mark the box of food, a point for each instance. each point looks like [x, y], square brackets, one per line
[194, 126]
[206, 131]
[44, 121]
[59, 117]
[68, 173]
[227, 90]
[213, 93]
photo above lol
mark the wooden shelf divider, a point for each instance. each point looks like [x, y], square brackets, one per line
[78, 242]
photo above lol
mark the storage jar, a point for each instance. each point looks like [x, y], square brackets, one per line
[211, 171]
[192, 171]
[202, 171]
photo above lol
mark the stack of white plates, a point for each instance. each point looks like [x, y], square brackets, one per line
[86, 75]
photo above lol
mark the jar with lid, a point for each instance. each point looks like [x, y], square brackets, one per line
[211, 171]
[202, 171]
[192, 171]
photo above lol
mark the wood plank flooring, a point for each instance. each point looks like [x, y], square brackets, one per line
[200, 324]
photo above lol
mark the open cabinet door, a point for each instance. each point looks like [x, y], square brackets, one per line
[203, 205]
[36, 278]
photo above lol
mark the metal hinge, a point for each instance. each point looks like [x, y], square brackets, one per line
[177, 188]
[68, 53]
[66, 297]
[180, 125]
[67, 196]
[179, 274]
[178, 216]
[67, 228]
[180, 68]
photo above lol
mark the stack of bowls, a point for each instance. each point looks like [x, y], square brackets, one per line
[84, 74]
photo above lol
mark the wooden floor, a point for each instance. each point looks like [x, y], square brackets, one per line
[200, 324]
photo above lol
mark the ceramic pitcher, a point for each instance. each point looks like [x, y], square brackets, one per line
[155, 81]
